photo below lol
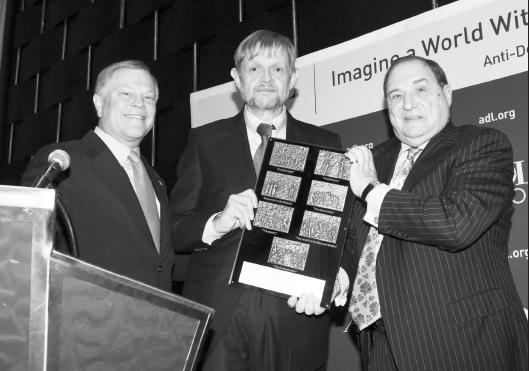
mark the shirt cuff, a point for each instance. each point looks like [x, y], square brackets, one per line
[210, 235]
[374, 203]
[342, 284]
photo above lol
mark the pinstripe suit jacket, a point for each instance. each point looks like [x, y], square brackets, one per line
[447, 296]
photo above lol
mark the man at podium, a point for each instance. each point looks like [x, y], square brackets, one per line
[116, 201]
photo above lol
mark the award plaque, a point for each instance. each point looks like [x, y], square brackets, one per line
[300, 225]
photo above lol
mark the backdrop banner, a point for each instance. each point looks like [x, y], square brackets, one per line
[481, 44]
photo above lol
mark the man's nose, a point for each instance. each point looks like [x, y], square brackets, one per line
[267, 76]
[409, 101]
[137, 101]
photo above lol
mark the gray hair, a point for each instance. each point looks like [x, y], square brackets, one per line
[438, 72]
[263, 41]
[107, 72]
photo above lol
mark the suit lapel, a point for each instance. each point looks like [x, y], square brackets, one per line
[116, 179]
[236, 144]
[294, 131]
[434, 152]
[385, 161]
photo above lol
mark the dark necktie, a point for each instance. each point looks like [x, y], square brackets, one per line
[145, 193]
[265, 131]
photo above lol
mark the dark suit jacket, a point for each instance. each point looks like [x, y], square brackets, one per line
[447, 296]
[216, 164]
[109, 223]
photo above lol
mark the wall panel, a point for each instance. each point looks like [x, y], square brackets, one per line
[59, 10]
[78, 116]
[171, 139]
[93, 24]
[134, 42]
[27, 25]
[215, 55]
[175, 78]
[22, 98]
[41, 52]
[179, 26]
[64, 80]
[137, 9]
[34, 132]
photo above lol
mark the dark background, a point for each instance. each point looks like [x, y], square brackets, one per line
[54, 49]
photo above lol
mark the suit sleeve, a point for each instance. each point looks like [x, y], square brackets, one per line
[476, 190]
[188, 220]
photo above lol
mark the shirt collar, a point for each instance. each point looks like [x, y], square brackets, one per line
[119, 150]
[404, 147]
[280, 122]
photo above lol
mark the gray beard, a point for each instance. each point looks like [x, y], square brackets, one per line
[265, 104]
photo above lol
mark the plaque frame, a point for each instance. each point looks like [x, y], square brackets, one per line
[303, 256]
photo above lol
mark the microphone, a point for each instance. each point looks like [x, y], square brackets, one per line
[58, 161]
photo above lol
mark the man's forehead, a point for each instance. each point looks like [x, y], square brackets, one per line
[131, 76]
[266, 52]
[411, 72]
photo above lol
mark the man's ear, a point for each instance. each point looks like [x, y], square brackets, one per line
[235, 75]
[98, 104]
[447, 91]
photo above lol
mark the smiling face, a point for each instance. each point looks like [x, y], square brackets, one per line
[418, 106]
[265, 81]
[126, 105]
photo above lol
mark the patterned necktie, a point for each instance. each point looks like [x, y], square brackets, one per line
[365, 306]
[145, 192]
[265, 131]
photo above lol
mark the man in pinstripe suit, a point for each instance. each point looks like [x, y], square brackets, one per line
[443, 297]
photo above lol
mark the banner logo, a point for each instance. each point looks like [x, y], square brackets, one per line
[493, 116]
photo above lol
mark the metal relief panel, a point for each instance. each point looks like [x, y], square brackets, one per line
[332, 164]
[273, 216]
[321, 227]
[281, 186]
[289, 253]
[289, 156]
[327, 195]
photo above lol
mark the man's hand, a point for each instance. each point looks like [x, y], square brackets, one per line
[307, 304]
[238, 212]
[363, 169]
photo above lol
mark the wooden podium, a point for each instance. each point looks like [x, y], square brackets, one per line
[60, 313]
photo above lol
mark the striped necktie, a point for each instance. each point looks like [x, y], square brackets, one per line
[145, 193]
[265, 131]
[365, 305]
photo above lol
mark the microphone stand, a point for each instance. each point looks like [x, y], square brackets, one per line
[73, 247]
